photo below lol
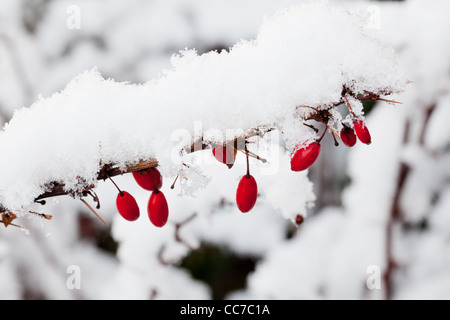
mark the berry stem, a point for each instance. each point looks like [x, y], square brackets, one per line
[120, 191]
[334, 137]
[156, 182]
[248, 164]
[323, 134]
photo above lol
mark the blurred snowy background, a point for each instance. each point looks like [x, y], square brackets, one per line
[380, 226]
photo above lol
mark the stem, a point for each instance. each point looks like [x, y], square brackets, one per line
[156, 182]
[248, 164]
[323, 134]
[335, 141]
[120, 191]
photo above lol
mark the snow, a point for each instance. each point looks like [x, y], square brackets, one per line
[297, 269]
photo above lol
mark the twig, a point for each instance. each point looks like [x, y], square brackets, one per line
[178, 227]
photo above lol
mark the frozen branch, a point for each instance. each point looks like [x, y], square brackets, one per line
[97, 127]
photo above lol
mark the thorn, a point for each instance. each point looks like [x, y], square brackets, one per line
[349, 106]
[312, 127]
[42, 215]
[94, 197]
[392, 101]
[173, 184]
[253, 155]
[93, 211]
[11, 224]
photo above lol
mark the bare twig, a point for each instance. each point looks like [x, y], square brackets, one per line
[179, 225]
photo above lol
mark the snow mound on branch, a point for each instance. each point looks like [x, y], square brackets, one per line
[296, 59]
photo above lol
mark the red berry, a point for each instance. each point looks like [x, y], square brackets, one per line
[146, 178]
[222, 154]
[246, 193]
[362, 132]
[157, 209]
[348, 136]
[127, 206]
[304, 157]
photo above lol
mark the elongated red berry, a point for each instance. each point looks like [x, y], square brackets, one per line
[146, 179]
[246, 193]
[348, 136]
[127, 206]
[303, 157]
[362, 132]
[157, 209]
[222, 154]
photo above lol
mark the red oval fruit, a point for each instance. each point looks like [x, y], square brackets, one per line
[246, 193]
[304, 157]
[348, 136]
[222, 154]
[157, 209]
[146, 179]
[127, 206]
[362, 132]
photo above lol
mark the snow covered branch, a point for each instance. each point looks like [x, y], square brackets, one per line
[97, 128]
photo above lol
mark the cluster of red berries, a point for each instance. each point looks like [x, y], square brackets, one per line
[302, 158]
[305, 155]
[157, 208]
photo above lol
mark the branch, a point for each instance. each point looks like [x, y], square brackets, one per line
[200, 144]
[59, 190]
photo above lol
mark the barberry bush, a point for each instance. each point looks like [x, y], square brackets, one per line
[226, 146]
